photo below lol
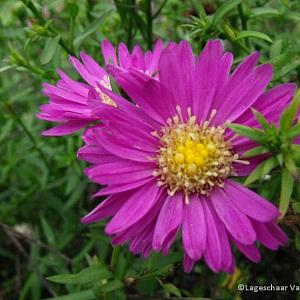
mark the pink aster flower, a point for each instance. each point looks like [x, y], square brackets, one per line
[167, 159]
[69, 103]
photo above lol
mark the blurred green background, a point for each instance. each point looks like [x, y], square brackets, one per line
[43, 192]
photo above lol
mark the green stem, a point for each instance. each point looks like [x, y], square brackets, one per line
[156, 14]
[243, 20]
[71, 32]
[29, 134]
[149, 28]
[114, 257]
[129, 33]
[43, 21]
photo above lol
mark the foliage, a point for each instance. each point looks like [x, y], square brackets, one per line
[45, 253]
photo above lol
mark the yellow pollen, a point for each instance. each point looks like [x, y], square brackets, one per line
[193, 157]
[191, 169]
[105, 82]
[179, 158]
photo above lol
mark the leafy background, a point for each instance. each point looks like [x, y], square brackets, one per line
[43, 192]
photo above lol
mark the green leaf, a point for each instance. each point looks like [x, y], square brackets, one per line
[200, 9]
[253, 34]
[288, 116]
[83, 295]
[285, 63]
[297, 242]
[171, 289]
[6, 68]
[296, 207]
[256, 151]
[294, 131]
[290, 165]
[295, 152]
[261, 119]
[112, 286]
[261, 170]
[275, 49]
[89, 31]
[158, 261]
[49, 49]
[254, 134]
[264, 12]
[223, 10]
[287, 184]
[90, 274]
[101, 290]
[50, 236]
[73, 9]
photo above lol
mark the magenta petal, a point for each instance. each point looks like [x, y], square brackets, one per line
[234, 220]
[147, 220]
[84, 73]
[194, 228]
[135, 112]
[169, 219]
[264, 236]
[212, 71]
[78, 87]
[227, 256]
[153, 63]
[148, 93]
[118, 188]
[93, 66]
[243, 89]
[113, 145]
[66, 128]
[178, 64]
[95, 155]
[137, 58]
[170, 238]
[250, 203]
[213, 251]
[124, 56]
[135, 208]
[278, 233]
[142, 242]
[107, 208]
[250, 251]
[188, 264]
[108, 52]
[270, 104]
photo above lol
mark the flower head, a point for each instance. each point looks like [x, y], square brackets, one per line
[69, 103]
[166, 159]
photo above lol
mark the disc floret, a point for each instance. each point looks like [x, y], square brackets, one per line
[193, 157]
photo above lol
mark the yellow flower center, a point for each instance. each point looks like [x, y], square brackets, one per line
[193, 158]
[105, 82]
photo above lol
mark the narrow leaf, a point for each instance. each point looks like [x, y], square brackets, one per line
[223, 10]
[287, 184]
[83, 295]
[253, 34]
[294, 131]
[49, 49]
[90, 274]
[275, 49]
[290, 165]
[254, 134]
[261, 119]
[171, 289]
[255, 151]
[288, 116]
[90, 30]
[264, 12]
[261, 170]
